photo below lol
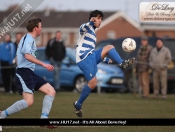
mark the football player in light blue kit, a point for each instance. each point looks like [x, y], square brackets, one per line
[87, 58]
[27, 81]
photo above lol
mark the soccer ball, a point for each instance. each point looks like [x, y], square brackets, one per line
[129, 45]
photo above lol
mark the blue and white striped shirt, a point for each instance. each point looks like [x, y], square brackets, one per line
[86, 42]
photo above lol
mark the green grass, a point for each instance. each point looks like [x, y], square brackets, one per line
[96, 106]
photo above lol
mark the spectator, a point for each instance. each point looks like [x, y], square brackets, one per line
[142, 66]
[7, 54]
[55, 51]
[18, 38]
[159, 58]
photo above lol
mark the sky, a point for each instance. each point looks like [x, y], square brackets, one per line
[130, 7]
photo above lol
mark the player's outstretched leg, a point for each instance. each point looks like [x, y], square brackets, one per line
[78, 104]
[47, 102]
[78, 111]
[49, 92]
[110, 50]
[17, 106]
[127, 63]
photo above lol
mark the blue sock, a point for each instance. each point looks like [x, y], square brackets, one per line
[115, 56]
[47, 104]
[17, 106]
[84, 94]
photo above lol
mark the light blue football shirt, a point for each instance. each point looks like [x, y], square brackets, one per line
[26, 45]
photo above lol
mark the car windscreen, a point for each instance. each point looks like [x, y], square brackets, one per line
[125, 55]
[118, 46]
[71, 54]
[103, 43]
[41, 55]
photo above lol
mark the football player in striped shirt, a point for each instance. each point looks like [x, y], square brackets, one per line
[87, 58]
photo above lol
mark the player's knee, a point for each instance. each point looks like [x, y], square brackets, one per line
[48, 90]
[93, 84]
[30, 102]
[51, 92]
[109, 47]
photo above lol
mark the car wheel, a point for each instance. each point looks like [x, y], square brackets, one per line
[131, 83]
[80, 82]
[123, 90]
[171, 87]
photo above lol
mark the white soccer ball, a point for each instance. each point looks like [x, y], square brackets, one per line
[129, 45]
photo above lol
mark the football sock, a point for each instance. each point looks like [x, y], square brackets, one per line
[17, 106]
[115, 56]
[47, 104]
[84, 94]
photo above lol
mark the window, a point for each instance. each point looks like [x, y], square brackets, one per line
[111, 34]
[38, 40]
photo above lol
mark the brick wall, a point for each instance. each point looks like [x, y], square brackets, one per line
[121, 27]
[163, 33]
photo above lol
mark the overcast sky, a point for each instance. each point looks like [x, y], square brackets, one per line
[130, 7]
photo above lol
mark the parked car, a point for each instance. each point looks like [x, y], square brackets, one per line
[110, 77]
[170, 43]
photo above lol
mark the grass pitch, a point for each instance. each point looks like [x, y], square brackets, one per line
[96, 106]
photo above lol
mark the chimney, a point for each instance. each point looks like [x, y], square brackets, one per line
[47, 12]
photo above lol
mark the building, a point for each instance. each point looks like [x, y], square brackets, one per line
[115, 25]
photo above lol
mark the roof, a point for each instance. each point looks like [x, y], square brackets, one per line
[60, 19]
[73, 19]
[120, 14]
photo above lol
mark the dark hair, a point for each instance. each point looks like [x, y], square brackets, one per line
[96, 13]
[32, 23]
[18, 33]
[57, 32]
[8, 34]
[159, 39]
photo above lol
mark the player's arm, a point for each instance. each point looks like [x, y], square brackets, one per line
[86, 26]
[31, 58]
